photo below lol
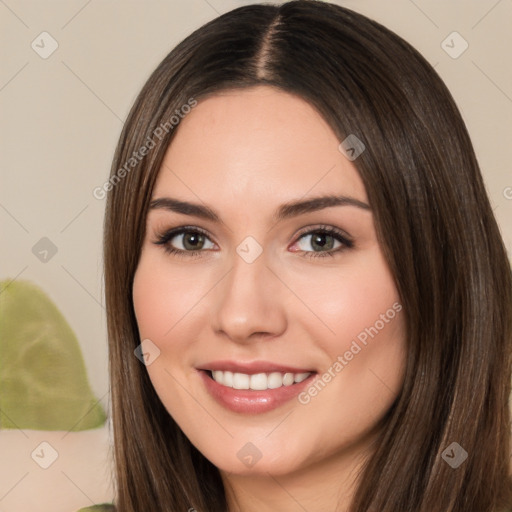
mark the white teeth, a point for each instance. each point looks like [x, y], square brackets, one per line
[241, 381]
[299, 377]
[228, 378]
[275, 380]
[257, 381]
[288, 379]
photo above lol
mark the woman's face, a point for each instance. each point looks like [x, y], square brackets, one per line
[259, 294]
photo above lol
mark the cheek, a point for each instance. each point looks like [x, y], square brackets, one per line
[348, 301]
[359, 326]
[149, 295]
[163, 297]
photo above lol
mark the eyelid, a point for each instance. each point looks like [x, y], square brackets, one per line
[168, 234]
[325, 229]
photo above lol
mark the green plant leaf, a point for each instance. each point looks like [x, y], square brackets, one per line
[43, 379]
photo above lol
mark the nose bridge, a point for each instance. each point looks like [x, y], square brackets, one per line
[247, 301]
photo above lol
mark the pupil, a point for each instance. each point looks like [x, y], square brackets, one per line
[190, 240]
[319, 240]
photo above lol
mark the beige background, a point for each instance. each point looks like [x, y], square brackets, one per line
[61, 117]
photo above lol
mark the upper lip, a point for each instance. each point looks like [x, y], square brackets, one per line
[252, 367]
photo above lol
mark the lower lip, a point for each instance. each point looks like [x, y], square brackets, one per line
[252, 402]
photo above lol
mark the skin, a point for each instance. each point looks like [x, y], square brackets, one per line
[244, 153]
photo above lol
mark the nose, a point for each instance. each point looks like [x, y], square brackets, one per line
[249, 302]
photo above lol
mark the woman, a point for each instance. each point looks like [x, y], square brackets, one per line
[308, 300]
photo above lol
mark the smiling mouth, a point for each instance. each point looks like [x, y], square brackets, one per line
[257, 381]
[256, 387]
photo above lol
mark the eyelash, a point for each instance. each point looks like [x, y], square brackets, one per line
[167, 236]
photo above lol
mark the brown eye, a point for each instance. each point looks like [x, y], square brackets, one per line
[192, 241]
[184, 240]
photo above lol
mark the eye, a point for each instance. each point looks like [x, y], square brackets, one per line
[325, 241]
[189, 241]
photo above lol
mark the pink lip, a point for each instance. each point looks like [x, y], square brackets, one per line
[252, 367]
[249, 401]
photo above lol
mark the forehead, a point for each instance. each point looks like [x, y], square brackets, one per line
[255, 147]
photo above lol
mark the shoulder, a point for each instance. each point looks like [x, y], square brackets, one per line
[99, 508]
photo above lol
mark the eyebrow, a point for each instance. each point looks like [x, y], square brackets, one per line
[285, 211]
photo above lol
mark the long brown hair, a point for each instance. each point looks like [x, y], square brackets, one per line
[433, 220]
